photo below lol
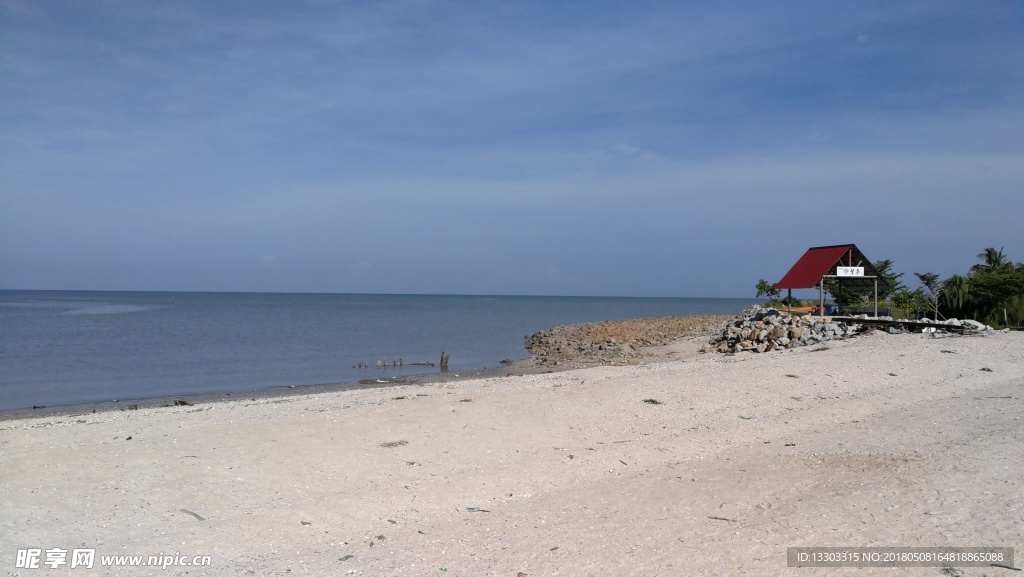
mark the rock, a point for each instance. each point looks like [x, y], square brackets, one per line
[623, 341]
[764, 330]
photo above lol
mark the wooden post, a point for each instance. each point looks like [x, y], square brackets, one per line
[444, 359]
[789, 301]
[821, 297]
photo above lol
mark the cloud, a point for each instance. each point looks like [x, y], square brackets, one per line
[514, 137]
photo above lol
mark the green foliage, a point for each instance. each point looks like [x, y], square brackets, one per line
[912, 302]
[992, 292]
[995, 294]
[892, 284]
[929, 279]
[995, 260]
[767, 290]
[903, 301]
[783, 303]
[847, 296]
[932, 290]
[955, 295]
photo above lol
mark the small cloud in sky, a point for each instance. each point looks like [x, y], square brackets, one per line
[632, 152]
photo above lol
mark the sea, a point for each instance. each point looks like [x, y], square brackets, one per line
[68, 348]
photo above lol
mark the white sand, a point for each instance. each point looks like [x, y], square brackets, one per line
[577, 474]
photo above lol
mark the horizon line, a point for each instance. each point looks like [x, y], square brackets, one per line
[368, 294]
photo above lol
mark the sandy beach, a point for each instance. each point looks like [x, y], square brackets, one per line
[702, 464]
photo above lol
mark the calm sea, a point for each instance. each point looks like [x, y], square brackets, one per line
[68, 348]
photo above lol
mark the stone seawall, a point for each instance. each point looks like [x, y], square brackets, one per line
[615, 342]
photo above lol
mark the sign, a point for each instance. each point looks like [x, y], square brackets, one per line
[850, 271]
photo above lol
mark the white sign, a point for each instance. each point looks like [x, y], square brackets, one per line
[850, 271]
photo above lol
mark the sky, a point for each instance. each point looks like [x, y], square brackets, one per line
[536, 147]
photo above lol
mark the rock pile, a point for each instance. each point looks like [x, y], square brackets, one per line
[762, 329]
[614, 342]
[966, 324]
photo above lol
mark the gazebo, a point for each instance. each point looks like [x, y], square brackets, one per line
[843, 262]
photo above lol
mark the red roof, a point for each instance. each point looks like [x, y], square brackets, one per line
[816, 263]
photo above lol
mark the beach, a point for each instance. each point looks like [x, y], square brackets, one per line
[684, 464]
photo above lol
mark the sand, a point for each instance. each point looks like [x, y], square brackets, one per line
[882, 440]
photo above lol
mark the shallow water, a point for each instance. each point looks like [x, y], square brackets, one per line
[67, 348]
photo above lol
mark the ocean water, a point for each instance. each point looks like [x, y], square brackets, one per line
[61, 348]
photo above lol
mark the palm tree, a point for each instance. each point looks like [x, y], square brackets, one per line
[955, 292]
[995, 260]
[995, 287]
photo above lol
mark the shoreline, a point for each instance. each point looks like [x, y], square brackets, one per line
[710, 466]
[123, 405]
[629, 331]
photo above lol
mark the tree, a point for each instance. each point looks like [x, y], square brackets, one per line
[845, 295]
[912, 302]
[995, 289]
[767, 290]
[930, 282]
[993, 293]
[892, 282]
[995, 260]
[955, 295]
[888, 284]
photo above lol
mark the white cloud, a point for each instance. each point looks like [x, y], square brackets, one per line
[496, 132]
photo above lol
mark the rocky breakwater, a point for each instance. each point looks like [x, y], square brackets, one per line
[761, 329]
[614, 342]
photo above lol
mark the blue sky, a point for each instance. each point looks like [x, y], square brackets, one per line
[530, 147]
